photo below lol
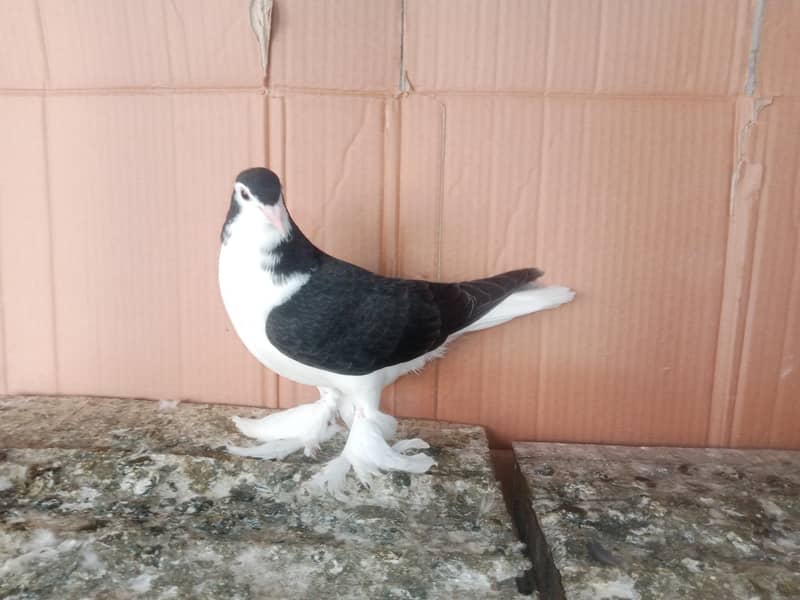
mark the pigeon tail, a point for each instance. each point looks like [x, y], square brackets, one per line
[528, 300]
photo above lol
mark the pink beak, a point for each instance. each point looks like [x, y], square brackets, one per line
[274, 215]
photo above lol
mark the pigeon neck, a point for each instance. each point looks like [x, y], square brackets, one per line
[294, 254]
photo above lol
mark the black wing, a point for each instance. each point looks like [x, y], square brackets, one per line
[350, 321]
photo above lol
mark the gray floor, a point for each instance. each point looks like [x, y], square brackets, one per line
[103, 498]
[652, 523]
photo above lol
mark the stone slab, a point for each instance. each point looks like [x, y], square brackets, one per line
[659, 523]
[110, 498]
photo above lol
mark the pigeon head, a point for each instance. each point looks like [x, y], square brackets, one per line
[259, 185]
[257, 193]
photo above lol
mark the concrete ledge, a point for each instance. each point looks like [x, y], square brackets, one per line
[108, 498]
[659, 523]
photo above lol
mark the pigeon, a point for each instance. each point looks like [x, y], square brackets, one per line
[324, 322]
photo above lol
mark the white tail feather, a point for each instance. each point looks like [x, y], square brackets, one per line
[521, 303]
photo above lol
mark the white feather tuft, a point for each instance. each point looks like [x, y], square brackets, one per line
[386, 423]
[413, 444]
[368, 452]
[332, 477]
[296, 422]
[276, 449]
[305, 426]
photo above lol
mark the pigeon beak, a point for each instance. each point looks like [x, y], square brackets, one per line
[274, 215]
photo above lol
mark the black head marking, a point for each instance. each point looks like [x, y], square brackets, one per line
[233, 210]
[261, 183]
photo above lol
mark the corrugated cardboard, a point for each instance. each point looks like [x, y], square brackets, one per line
[351, 45]
[26, 270]
[767, 404]
[643, 153]
[678, 47]
[778, 43]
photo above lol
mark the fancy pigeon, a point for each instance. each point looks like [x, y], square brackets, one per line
[321, 321]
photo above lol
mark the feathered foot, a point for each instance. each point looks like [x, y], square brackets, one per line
[368, 453]
[305, 426]
[347, 411]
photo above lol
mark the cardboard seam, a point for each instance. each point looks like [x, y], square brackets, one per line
[755, 48]
[268, 376]
[4, 355]
[547, 50]
[601, 40]
[170, 58]
[132, 91]
[43, 42]
[178, 250]
[404, 83]
[392, 148]
[50, 247]
[279, 91]
[538, 247]
[737, 281]
[745, 132]
[389, 208]
[440, 224]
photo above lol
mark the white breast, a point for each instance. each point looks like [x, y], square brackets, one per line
[249, 293]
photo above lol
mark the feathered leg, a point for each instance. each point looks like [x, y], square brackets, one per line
[284, 432]
[368, 453]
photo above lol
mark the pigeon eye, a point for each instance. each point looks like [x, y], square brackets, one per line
[245, 195]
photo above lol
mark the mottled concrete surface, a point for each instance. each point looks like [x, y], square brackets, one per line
[652, 523]
[104, 498]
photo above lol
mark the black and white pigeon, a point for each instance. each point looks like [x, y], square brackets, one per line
[321, 321]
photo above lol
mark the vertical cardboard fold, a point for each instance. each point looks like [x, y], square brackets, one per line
[766, 411]
[215, 136]
[390, 208]
[333, 176]
[23, 62]
[418, 225]
[633, 211]
[746, 182]
[25, 248]
[489, 220]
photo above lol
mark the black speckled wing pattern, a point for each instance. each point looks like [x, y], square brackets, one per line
[350, 321]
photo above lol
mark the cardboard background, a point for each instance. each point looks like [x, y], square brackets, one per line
[645, 154]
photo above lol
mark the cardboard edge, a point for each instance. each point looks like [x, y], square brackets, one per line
[388, 250]
[746, 182]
